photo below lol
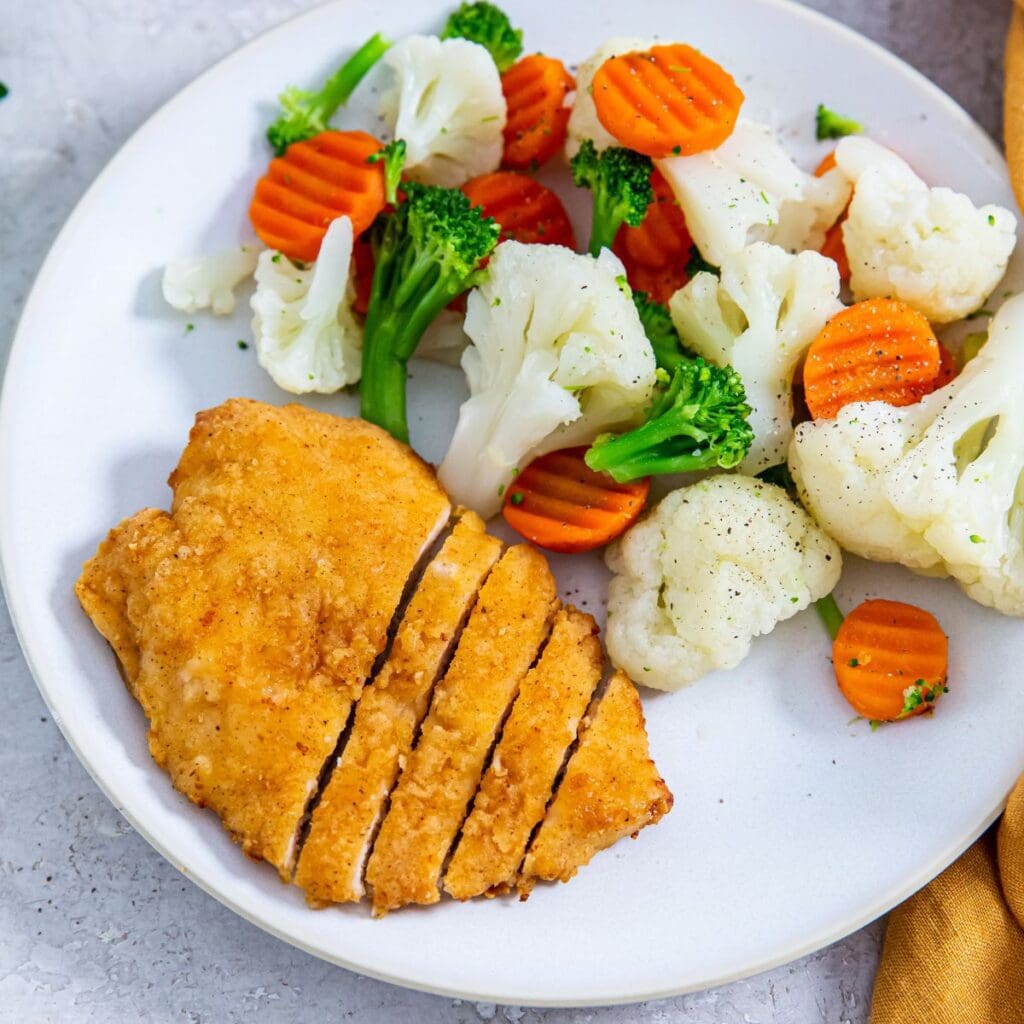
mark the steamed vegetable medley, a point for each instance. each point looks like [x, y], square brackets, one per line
[763, 329]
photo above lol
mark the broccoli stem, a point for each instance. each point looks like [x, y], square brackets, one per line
[340, 86]
[390, 341]
[606, 223]
[830, 614]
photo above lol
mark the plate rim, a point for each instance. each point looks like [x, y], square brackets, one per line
[23, 627]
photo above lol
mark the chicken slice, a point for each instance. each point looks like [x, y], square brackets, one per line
[497, 648]
[611, 789]
[517, 785]
[342, 825]
[248, 619]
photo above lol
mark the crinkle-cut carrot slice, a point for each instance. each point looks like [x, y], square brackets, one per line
[668, 100]
[560, 503]
[535, 89]
[524, 209]
[315, 182]
[891, 660]
[879, 350]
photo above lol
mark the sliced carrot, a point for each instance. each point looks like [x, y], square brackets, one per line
[535, 89]
[947, 368]
[660, 283]
[876, 350]
[667, 100]
[891, 660]
[559, 503]
[662, 237]
[524, 209]
[833, 247]
[362, 257]
[315, 182]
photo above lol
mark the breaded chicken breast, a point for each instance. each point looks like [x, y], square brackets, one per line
[497, 648]
[519, 781]
[611, 789]
[248, 619]
[388, 714]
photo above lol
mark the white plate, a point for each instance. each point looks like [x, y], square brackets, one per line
[792, 826]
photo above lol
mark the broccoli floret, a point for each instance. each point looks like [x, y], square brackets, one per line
[698, 265]
[393, 155]
[780, 476]
[697, 422]
[305, 114]
[661, 332]
[830, 125]
[426, 252]
[621, 182]
[489, 26]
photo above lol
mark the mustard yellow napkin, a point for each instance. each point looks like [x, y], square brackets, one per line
[1013, 101]
[954, 952]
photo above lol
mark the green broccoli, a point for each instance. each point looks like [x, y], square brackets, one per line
[393, 155]
[697, 422]
[621, 182]
[489, 26]
[698, 265]
[305, 114]
[830, 125]
[661, 332]
[426, 252]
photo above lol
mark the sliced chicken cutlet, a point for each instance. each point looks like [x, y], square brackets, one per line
[497, 647]
[343, 824]
[519, 781]
[611, 789]
[248, 619]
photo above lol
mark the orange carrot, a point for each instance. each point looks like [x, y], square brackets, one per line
[667, 100]
[833, 247]
[362, 257]
[559, 503]
[315, 182]
[662, 237]
[947, 368]
[535, 88]
[891, 660]
[524, 209]
[876, 350]
[660, 283]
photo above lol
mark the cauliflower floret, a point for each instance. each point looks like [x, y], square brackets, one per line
[714, 566]
[937, 485]
[748, 190]
[760, 317]
[558, 355]
[931, 247]
[209, 282]
[448, 106]
[307, 338]
[583, 119]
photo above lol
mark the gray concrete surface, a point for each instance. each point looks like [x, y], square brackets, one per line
[94, 925]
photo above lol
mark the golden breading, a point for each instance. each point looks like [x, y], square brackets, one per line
[517, 785]
[429, 803]
[249, 618]
[342, 825]
[611, 789]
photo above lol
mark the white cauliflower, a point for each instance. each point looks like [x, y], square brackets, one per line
[307, 337]
[209, 282]
[936, 485]
[583, 119]
[749, 190]
[558, 355]
[760, 317]
[715, 565]
[447, 104]
[931, 247]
